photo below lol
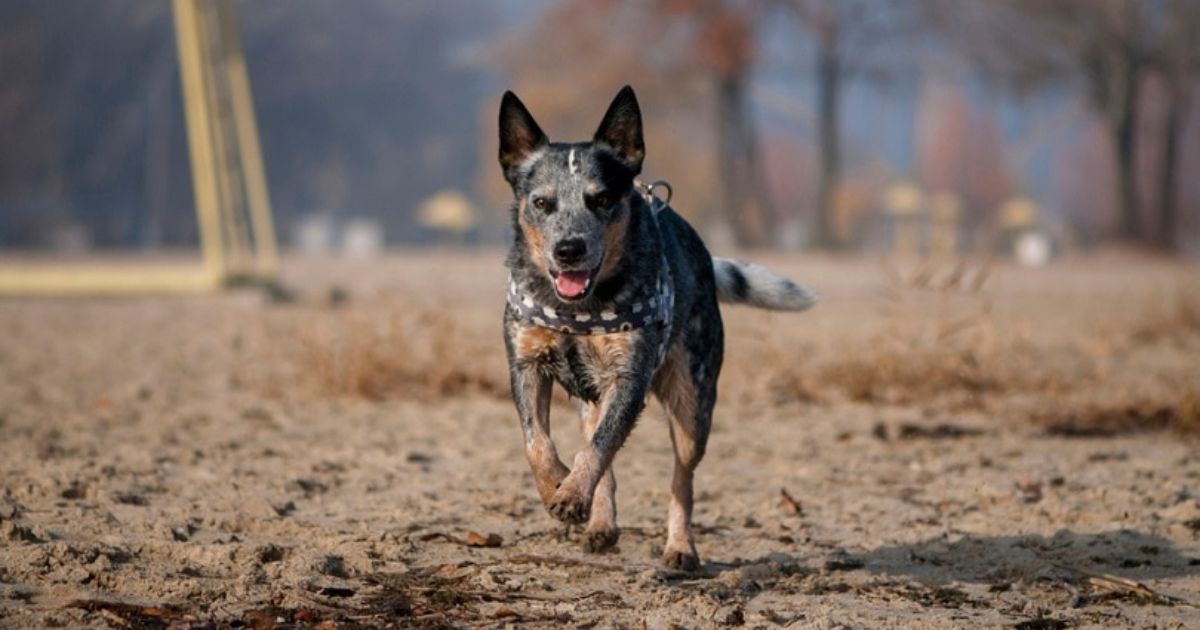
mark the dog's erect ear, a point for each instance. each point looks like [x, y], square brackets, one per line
[621, 129]
[520, 134]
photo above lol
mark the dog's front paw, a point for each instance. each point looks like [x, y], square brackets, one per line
[600, 540]
[549, 479]
[571, 503]
[681, 559]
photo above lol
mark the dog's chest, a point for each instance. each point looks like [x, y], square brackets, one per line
[585, 365]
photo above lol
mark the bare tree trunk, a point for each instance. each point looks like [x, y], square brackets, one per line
[760, 187]
[1168, 184]
[829, 79]
[736, 163]
[731, 196]
[1125, 139]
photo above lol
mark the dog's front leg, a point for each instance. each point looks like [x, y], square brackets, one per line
[620, 404]
[531, 392]
[601, 532]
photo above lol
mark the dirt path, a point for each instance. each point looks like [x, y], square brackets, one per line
[221, 460]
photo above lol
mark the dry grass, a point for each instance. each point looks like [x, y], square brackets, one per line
[374, 356]
[1181, 415]
[1179, 317]
[938, 346]
[938, 340]
[909, 375]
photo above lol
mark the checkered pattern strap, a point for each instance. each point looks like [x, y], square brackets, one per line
[621, 316]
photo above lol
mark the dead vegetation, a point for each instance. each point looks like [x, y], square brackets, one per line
[939, 346]
[1177, 318]
[938, 340]
[380, 355]
[1181, 415]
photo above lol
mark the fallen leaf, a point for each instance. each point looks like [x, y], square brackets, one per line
[504, 612]
[1030, 489]
[475, 539]
[259, 620]
[790, 505]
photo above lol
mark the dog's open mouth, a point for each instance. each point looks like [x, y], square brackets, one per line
[572, 285]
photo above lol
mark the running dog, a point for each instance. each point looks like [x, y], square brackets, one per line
[614, 296]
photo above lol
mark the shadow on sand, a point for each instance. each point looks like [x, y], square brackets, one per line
[998, 559]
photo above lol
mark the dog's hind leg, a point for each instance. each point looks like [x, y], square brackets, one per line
[688, 403]
[601, 532]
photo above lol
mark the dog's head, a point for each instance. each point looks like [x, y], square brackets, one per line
[573, 200]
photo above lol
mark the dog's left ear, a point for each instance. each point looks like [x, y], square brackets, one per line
[621, 129]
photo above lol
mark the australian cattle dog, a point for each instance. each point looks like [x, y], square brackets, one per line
[614, 296]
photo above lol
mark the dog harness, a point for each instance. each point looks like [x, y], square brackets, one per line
[629, 310]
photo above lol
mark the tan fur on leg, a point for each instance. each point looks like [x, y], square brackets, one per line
[674, 387]
[548, 469]
[573, 501]
[601, 532]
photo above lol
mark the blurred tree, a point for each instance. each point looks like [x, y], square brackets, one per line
[960, 151]
[1178, 62]
[725, 46]
[1105, 47]
[848, 34]
[1082, 201]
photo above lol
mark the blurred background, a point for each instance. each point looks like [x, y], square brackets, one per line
[931, 125]
[992, 414]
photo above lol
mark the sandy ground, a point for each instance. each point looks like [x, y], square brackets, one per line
[964, 447]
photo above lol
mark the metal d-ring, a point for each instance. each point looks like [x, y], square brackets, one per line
[662, 183]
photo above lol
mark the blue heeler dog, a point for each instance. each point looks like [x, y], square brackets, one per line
[613, 295]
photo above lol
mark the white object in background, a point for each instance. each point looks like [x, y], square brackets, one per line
[1032, 249]
[362, 239]
[314, 234]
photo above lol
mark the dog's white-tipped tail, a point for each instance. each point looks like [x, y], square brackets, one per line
[740, 282]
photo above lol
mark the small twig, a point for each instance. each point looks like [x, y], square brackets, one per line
[1116, 583]
[125, 610]
[675, 575]
[473, 539]
[526, 558]
[790, 505]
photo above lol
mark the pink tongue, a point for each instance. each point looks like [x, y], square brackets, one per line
[571, 283]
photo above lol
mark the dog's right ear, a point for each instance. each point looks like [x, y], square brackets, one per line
[520, 134]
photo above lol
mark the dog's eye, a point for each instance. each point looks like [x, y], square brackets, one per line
[602, 200]
[541, 204]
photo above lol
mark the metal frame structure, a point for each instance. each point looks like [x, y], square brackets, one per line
[233, 208]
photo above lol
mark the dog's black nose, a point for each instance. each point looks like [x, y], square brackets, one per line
[571, 250]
